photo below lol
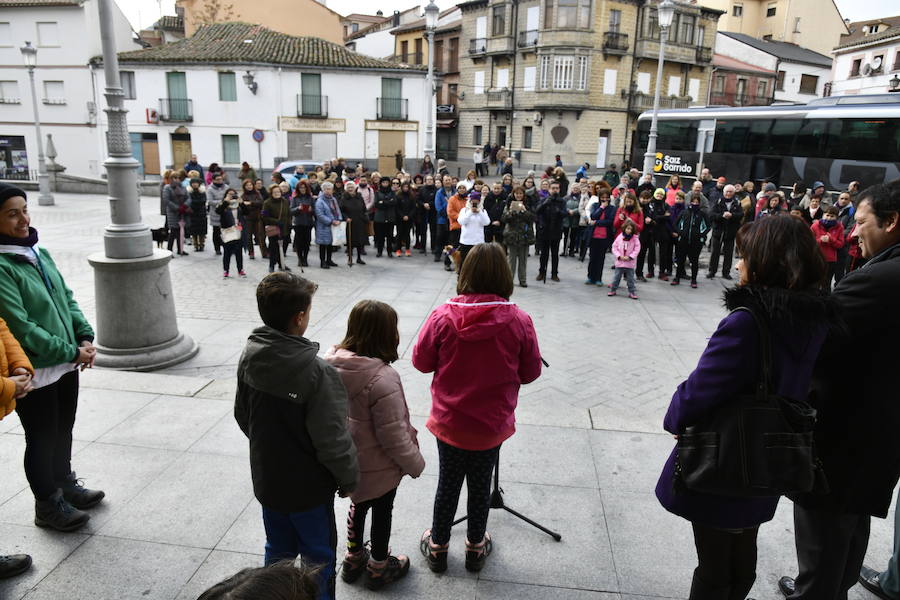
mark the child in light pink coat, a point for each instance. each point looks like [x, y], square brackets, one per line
[626, 248]
[385, 440]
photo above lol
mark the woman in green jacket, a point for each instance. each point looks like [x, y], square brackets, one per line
[41, 313]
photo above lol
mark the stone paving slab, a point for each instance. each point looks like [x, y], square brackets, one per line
[180, 513]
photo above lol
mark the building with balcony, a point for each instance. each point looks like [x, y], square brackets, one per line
[313, 100]
[800, 73]
[569, 77]
[867, 61]
[66, 34]
[736, 83]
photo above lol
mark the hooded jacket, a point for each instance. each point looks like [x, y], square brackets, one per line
[12, 357]
[481, 348]
[378, 418]
[292, 406]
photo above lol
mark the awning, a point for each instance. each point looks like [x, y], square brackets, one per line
[444, 123]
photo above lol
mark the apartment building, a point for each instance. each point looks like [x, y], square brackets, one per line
[867, 61]
[569, 77]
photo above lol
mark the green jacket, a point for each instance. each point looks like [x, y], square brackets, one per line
[47, 323]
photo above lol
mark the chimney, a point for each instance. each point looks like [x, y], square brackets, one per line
[396, 18]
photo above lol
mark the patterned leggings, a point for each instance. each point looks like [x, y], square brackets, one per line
[382, 511]
[476, 467]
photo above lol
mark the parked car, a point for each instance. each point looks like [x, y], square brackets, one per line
[287, 167]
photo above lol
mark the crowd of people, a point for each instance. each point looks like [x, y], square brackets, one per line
[650, 231]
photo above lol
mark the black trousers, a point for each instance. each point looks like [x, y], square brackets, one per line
[665, 254]
[599, 246]
[576, 240]
[830, 551]
[48, 415]
[432, 232]
[685, 252]
[217, 238]
[830, 275]
[380, 532]
[233, 248]
[476, 468]
[384, 235]
[403, 229]
[302, 240]
[546, 248]
[325, 254]
[722, 243]
[726, 566]
[648, 254]
[439, 239]
[175, 237]
[276, 258]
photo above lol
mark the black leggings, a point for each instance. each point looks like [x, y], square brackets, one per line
[325, 254]
[648, 253]
[175, 238]
[380, 533]
[476, 467]
[384, 235]
[727, 563]
[276, 258]
[685, 252]
[233, 248]
[48, 415]
[403, 229]
[217, 238]
[599, 246]
[302, 240]
[549, 251]
[665, 253]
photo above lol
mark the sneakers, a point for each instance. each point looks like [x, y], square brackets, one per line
[589, 281]
[56, 513]
[225, 275]
[354, 565]
[611, 293]
[435, 554]
[675, 281]
[476, 554]
[79, 496]
[633, 296]
[642, 279]
[599, 283]
[241, 273]
[649, 275]
[399, 253]
[408, 253]
[386, 571]
[694, 284]
[14, 564]
[663, 277]
[523, 284]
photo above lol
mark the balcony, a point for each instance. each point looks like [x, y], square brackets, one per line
[642, 102]
[528, 39]
[680, 53]
[498, 99]
[392, 109]
[312, 105]
[501, 44]
[578, 38]
[615, 43]
[735, 99]
[176, 110]
[446, 111]
[551, 99]
[704, 54]
[477, 46]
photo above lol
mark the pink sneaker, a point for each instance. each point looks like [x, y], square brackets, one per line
[612, 293]
[633, 296]
[225, 275]
[241, 273]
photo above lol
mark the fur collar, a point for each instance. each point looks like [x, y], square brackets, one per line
[783, 306]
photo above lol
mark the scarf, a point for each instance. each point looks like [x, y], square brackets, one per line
[29, 241]
[827, 223]
[627, 236]
[694, 207]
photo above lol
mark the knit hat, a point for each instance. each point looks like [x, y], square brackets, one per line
[770, 187]
[475, 195]
[659, 191]
[722, 180]
[8, 191]
[817, 184]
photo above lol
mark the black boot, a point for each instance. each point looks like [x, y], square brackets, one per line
[55, 512]
[79, 496]
[14, 564]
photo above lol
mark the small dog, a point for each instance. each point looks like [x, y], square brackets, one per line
[160, 236]
[454, 255]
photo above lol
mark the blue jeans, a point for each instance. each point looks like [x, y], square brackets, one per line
[312, 534]
[629, 279]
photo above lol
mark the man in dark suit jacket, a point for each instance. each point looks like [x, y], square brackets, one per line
[858, 416]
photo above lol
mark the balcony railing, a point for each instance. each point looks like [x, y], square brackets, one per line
[735, 99]
[615, 42]
[392, 109]
[176, 109]
[446, 111]
[478, 46]
[644, 102]
[704, 54]
[528, 39]
[499, 99]
[312, 105]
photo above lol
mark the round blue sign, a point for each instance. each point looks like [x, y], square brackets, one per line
[258, 135]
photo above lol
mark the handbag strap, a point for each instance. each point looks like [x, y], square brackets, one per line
[764, 386]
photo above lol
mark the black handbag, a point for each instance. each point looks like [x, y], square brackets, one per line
[758, 444]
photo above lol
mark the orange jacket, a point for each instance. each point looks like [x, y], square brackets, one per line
[11, 358]
[454, 205]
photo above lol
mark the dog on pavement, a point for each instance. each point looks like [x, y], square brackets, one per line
[454, 255]
[160, 236]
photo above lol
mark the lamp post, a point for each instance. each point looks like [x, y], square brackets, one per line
[137, 328]
[665, 14]
[45, 198]
[431, 18]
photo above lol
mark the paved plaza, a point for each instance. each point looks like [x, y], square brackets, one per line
[180, 513]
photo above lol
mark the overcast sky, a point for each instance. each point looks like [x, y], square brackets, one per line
[142, 13]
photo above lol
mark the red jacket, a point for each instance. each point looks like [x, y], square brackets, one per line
[481, 348]
[621, 216]
[835, 239]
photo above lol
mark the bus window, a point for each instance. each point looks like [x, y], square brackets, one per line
[865, 139]
[677, 135]
[731, 136]
[781, 137]
[811, 140]
[757, 136]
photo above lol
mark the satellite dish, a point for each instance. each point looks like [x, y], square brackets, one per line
[866, 70]
[876, 63]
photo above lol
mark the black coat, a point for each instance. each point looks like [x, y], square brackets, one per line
[494, 205]
[550, 213]
[354, 208]
[197, 202]
[856, 394]
[385, 206]
[425, 196]
[719, 208]
[406, 206]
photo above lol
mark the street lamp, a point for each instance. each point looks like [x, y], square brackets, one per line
[431, 19]
[665, 14]
[45, 198]
[894, 84]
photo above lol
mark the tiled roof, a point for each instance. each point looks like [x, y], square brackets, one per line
[857, 36]
[783, 50]
[171, 23]
[245, 43]
[732, 64]
[30, 3]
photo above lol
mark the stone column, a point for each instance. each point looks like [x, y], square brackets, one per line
[136, 324]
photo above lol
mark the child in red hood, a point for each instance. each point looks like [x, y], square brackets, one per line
[472, 415]
[378, 419]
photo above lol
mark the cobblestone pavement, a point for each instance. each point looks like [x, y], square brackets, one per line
[180, 513]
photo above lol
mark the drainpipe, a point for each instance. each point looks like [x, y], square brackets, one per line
[632, 86]
[512, 88]
[709, 85]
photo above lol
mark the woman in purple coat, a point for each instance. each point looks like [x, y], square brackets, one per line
[780, 275]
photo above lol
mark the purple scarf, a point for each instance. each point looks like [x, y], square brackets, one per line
[28, 242]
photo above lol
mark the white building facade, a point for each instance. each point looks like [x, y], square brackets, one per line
[868, 60]
[66, 35]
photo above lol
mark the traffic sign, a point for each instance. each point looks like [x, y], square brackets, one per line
[258, 135]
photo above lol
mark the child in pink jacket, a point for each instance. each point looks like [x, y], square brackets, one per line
[385, 440]
[625, 249]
